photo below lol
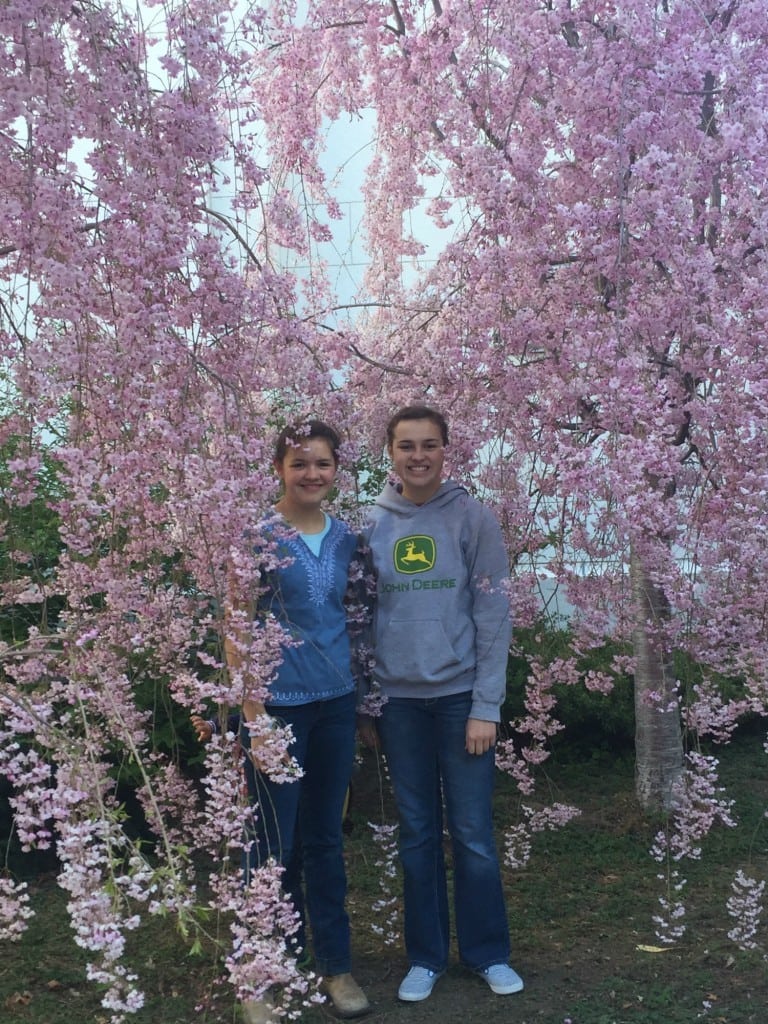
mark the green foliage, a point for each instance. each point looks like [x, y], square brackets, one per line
[595, 724]
[691, 674]
[371, 473]
[29, 544]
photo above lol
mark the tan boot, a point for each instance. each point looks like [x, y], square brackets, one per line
[259, 1011]
[347, 997]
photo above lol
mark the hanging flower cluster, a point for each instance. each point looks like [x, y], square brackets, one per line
[745, 906]
[699, 805]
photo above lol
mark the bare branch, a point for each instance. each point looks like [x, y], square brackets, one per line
[228, 224]
[400, 29]
[375, 362]
[6, 250]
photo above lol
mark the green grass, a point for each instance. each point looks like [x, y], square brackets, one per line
[580, 913]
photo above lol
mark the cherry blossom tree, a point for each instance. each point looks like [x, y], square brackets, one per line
[150, 344]
[595, 324]
[592, 321]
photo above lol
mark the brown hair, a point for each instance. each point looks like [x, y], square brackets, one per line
[292, 437]
[417, 412]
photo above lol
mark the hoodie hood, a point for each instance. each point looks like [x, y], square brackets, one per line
[391, 498]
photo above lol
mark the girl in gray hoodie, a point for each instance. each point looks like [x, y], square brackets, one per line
[441, 632]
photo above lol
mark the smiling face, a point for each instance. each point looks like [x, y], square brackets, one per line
[417, 455]
[307, 471]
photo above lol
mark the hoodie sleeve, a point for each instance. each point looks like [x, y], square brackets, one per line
[489, 573]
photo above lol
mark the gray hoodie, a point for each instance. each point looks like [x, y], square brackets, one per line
[442, 622]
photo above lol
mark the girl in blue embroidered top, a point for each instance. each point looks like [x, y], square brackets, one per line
[313, 691]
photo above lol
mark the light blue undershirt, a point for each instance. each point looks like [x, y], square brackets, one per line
[314, 541]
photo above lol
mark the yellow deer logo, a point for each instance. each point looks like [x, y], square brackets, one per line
[414, 554]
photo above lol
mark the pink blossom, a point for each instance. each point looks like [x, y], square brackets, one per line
[593, 319]
[745, 907]
[14, 909]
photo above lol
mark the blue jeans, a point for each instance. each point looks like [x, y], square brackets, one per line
[424, 744]
[299, 823]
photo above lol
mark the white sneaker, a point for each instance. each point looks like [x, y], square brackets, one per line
[417, 984]
[502, 979]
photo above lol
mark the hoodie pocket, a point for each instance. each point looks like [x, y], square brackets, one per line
[416, 650]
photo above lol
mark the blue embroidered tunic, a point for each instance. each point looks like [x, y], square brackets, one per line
[307, 598]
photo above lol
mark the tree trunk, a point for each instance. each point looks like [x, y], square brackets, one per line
[658, 736]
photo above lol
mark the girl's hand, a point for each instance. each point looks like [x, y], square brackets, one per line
[480, 736]
[203, 729]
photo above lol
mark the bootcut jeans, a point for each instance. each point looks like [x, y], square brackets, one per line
[299, 823]
[424, 743]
